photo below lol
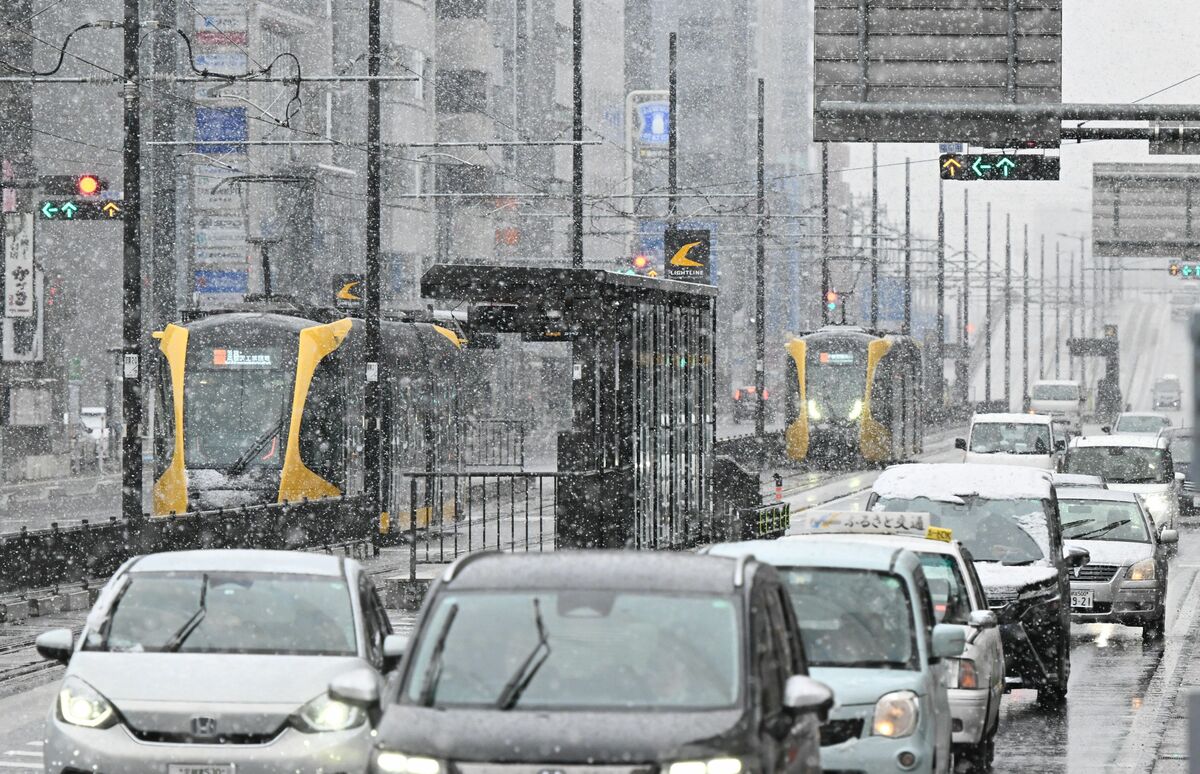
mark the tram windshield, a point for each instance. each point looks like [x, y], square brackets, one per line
[235, 408]
[836, 375]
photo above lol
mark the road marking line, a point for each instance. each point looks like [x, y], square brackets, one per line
[29, 753]
[38, 743]
[23, 766]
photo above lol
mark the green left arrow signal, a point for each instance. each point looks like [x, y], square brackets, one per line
[979, 168]
[49, 211]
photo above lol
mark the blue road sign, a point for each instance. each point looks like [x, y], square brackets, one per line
[217, 125]
[654, 123]
[221, 281]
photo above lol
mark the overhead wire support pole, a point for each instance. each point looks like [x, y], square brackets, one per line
[964, 353]
[939, 361]
[907, 329]
[760, 279]
[1025, 323]
[1057, 310]
[131, 277]
[1042, 313]
[1008, 312]
[987, 318]
[825, 279]
[1071, 359]
[577, 135]
[874, 236]
[672, 132]
[374, 394]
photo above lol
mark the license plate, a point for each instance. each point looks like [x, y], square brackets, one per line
[1080, 600]
[1195, 502]
[200, 768]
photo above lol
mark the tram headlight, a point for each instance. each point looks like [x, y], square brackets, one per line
[856, 410]
[814, 412]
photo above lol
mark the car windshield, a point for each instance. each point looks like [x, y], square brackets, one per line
[1009, 531]
[603, 650]
[1119, 464]
[255, 613]
[1010, 438]
[1055, 392]
[951, 602]
[1181, 450]
[1140, 424]
[836, 377]
[1102, 520]
[852, 618]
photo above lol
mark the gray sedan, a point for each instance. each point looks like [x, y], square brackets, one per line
[1126, 579]
[221, 661]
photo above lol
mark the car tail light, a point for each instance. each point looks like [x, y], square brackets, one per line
[737, 394]
[967, 676]
[765, 393]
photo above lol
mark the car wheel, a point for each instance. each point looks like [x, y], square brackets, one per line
[976, 757]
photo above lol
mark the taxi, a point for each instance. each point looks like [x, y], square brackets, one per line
[975, 681]
[870, 632]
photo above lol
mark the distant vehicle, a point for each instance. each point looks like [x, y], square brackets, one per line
[1063, 400]
[670, 662]
[1179, 443]
[1126, 580]
[1013, 439]
[1132, 463]
[1167, 392]
[746, 400]
[871, 634]
[94, 419]
[975, 680]
[1005, 516]
[1077, 481]
[221, 661]
[1139, 423]
[857, 396]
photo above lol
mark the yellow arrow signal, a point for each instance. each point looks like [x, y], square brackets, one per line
[111, 209]
[345, 293]
[953, 165]
[681, 256]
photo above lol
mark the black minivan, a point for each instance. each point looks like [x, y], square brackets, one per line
[615, 661]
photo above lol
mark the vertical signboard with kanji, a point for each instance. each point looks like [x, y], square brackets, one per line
[18, 265]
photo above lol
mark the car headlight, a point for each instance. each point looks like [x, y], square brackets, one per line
[1143, 571]
[896, 714]
[82, 705]
[328, 714]
[855, 410]
[711, 766]
[813, 411]
[399, 763]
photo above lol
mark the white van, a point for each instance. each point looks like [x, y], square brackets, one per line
[1031, 440]
[1062, 400]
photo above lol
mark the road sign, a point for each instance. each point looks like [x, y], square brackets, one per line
[1146, 210]
[654, 123]
[60, 210]
[687, 255]
[900, 71]
[18, 265]
[218, 127]
[998, 166]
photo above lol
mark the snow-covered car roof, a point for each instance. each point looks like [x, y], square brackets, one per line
[1154, 414]
[1013, 418]
[911, 542]
[1078, 480]
[1142, 441]
[949, 482]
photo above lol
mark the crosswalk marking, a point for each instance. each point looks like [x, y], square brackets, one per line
[20, 765]
[29, 753]
[38, 743]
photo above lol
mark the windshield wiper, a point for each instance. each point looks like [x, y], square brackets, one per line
[1016, 562]
[517, 684]
[433, 672]
[1099, 530]
[189, 626]
[241, 463]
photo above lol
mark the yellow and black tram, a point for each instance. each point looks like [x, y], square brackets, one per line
[854, 395]
[261, 407]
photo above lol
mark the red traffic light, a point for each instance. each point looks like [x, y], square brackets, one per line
[641, 262]
[831, 296]
[88, 185]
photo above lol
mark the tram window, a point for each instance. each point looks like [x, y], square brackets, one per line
[323, 430]
[881, 392]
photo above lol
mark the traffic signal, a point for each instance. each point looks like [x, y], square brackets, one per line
[89, 185]
[832, 300]
[640, 264]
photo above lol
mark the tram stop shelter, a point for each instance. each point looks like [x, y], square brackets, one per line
[635, 467]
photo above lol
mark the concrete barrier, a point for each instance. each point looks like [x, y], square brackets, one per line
[51, 605]
[14, 612]
[77, 600]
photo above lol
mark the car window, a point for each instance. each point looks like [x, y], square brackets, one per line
[1010, 438]
[1012, 531]
[781, 632]
[977, 593]
[769, 659]
[1055, 392]
[1120, 464]
[1181, 449]
[951, 603]
[1140, 424]
[376, 625]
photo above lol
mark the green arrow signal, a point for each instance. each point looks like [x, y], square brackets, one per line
[979, 168]
[69, 209]
[1006, 165]
[49, 210]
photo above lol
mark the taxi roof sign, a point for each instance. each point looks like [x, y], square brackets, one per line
[906, 523]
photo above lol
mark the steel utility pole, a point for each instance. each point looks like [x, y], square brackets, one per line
[874, 236]
[964, 352]
[987, 313]
[1042, 313]
[907, 329]
[824, 231]
[760, 283]
[1008, 312]
[939, 362]
[1071, 316]
[1057, 309]
[1025, 322]
[373, 395]
[131, 277]
[577, 136]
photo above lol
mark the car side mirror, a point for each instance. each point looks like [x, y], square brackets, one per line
[56, 644]
[1168, 536]
[801, 693]
[360, 686]
[983, 619]
[1076, 556]
[1060, 445]
[960, 443]
[1106, 429]
[394, 646]
[948, 640]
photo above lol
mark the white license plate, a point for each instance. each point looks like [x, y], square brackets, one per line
[200, 768]
[1080, 600]
[1195, 502]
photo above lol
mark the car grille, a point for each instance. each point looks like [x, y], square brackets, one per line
[557, 768]
[1102, 573]
[838, 731]
[1189, 485]
[999, 599]
[160, 737]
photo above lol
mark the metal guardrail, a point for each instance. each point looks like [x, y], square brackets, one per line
[493, 442]
[31, 559]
